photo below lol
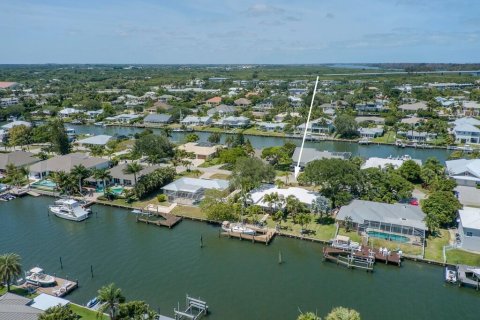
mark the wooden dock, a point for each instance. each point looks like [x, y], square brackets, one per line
[363, 258]
[164, 220]
[62, 287]
[264, 235]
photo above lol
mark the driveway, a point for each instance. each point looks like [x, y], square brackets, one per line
[468, 196]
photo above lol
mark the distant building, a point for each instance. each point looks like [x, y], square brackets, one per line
[5, 102]
[100, 140]
[156, 118]
[222, 110]
[320, 125]
[127, 179]
[242, 102]
[465, 172]
[413, 107]
[215, 101]
[234, 122]
[68, 112]
[271, 126]
[370, 132]
[8, 85]
[196, 121]
[201, 150]
[123, 118]
[416, 136]
[10, 125]
[369, 107]
[382, 163]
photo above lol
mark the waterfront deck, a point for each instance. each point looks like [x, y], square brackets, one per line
[463, 279]
[264, 235]
[360, 258]
[162, 220]
[62, 287]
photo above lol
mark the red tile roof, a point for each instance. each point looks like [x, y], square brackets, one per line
[4, 85]
[214, 100]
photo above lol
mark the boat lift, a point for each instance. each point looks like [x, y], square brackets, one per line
[195, 309]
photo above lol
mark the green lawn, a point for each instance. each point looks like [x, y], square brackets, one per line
[187, 211]
[354, 236]
[463, 257]
[255, 131]
[17, 290]
[392, 245]
[388, 137]
[434, 245]
[321, 231]
[87, 314]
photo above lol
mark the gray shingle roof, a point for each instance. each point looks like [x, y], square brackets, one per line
[19, 158]
[193, 185]
[15, 307]
[66, 162]
[397, 213]
[158, 118]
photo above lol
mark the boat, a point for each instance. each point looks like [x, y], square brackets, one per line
[450, 274]
[364, 141]
[399, 143]
[37, 277]
[100, 124]
[92, 302]
[69, 209]
[465, 148]
[237, 228]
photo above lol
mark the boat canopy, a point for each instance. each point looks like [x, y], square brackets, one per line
[36, 270]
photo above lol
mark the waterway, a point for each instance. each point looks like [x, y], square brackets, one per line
[364, 151]
[238, 279]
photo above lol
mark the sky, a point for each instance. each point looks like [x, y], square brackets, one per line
[239, 31]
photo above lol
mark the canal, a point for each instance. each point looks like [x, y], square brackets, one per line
[238, 279]
[364, 151]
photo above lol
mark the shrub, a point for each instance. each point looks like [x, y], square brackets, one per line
[161, 198]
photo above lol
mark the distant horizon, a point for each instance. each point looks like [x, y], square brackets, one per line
[359, 64]
[239, 32]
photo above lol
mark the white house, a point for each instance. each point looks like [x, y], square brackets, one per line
[466, 172]
[68, 112]
[304, 196]
[370, 132]
[469, 228]
[10, 125]
[466, 130]
[196, 121]
[320, 125]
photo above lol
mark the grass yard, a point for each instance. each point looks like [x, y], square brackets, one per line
[220, 176]
[434, 246]
[316, 230]
[388, 137]
[187, 211]
[354, 236]
[17, 290]
[257, 132]
[392, 245]
[86, 314]
[463, 257]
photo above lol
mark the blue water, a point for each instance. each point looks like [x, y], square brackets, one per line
[388, 236]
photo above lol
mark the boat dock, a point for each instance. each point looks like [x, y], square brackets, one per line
[62, 287]
[163, 220]
[364, 258]
[468, 276]
[195, 309]
[264, 235]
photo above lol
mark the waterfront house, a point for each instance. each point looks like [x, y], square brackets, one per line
[381, 219]
[201, 150]
[93, 114]
[373, 119]
[271, 126]
[413, 107]
[370, 132]
[469, 228]
[123, 118]
[257, 196]
[318, 126]
[466, 130]
[190, 191]
[465, 172]
[215, 101]
[68, 112]
[369, 107]
[470, 108]
[12, 124]
[17, 158]
[126, 179]
[242, 102]
[416, 136]
[16, 307]
[196, 121]
[100, 140]
[222, 110]
[234, 122]
[383, 163]
[311, 154]
[281, 117]
[156, 118]
[65, 163]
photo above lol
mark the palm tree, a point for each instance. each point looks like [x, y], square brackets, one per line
[80, 172]
[341, 313]
[65, 182]
[58, 312]
[308, 316]
[103, 175]
[10, 268]
[110, 296]
[133, 168]
[271, 199]
[26, 172]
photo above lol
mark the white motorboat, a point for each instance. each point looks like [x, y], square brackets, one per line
[364, 141]
[237, 228]
[69, 209]
[37, 277]
[450, 274]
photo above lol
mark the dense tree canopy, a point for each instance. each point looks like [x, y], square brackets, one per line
[346, 126]
[152, 145]
[410, 170]
[249, 173]
[440, 209]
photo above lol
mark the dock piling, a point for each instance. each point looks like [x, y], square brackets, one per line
[91, 270]
[61, 264]
[201, 241]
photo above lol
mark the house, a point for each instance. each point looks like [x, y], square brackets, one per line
[281, 117]
[123, 118]
[127, 179]
[201, 150]
[10, 125]
[215, 101]
[470, 108]
[271, 126]
[222, 110]
[385, 218]
[16, 307]
[466, 130]
[196, 121]
[369, 107]
[465, 172]
[68, 112]
[374, 120]
[383, 163]
[166, 97]
[263, 106]
[160, 105]
[5, 102]
[234, 122]
[65, 163]
[311, 154]
[156, 118]
[469, 228]
[413, 107]
[191, 190]
[412, 121]
[297, 91]
[18, 158]
[257, 196]
[320, 125]
[242, 102]
[295, 102]
[416, 136]
[93, 114]
[370, 132]
[8, 85]
[100, 140]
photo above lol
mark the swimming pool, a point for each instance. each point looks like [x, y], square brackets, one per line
[45, 184]
[388, 236]
[115, 190]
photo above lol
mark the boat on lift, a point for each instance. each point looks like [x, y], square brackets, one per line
[37, 277]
